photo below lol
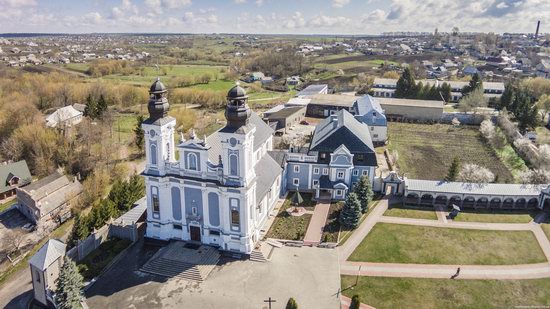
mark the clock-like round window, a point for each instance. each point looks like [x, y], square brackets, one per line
[152, 133]
[233, 141]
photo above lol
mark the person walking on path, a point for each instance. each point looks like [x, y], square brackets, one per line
[456, 274]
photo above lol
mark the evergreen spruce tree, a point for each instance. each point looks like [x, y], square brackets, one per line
[91, 107]
[406, 86]
[69, 283]
[454, 169]
[363, 189]
[433, 94]
[351, 212]
[139, 135]
[101, 106]
[355, 302]
[291, 304]
[526, 112]
[474, 84]
[446, 91]
[507, 97]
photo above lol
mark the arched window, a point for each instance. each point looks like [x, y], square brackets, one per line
[235, 218]
[233, 165]
[153, 153]
[192, 161]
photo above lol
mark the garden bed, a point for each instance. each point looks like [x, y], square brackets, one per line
[290, 227]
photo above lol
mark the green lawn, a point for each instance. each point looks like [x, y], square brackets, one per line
[396, 293]
[77, 67]
[394, 243]
[124, 127]
[411, 212]
[426, 151]
[289, 227]
[495, 216]
[93, 263]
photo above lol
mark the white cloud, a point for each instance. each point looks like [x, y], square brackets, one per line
[193, 19]
[339, 3]
[502, 5]
[239, 1]
[17, 3]
[176, 4]
[259, 2]
[295, 21]
[328, 21]
[92, 18]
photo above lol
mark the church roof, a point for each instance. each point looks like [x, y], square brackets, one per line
[267, 171]
[263, 132]
[342, 129]
[49, 253]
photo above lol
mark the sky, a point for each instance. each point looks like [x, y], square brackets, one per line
[353, 17]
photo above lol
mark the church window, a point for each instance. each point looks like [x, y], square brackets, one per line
[194, 211]
[37, 275]
[235, 219]
[372, 128]
[340, 175]
[233, 165]
[296, 181]
[192, 161]
[296, 168]
[153, 154]
[155, 199]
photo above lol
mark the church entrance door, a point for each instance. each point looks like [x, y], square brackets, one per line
[195, 232]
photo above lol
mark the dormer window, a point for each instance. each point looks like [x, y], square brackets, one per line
[192, 161]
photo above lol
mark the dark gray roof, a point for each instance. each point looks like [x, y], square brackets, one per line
[263, 132]
[267, 171]
[160, 121]
[343, 129]
[44, 184]
[18, 169]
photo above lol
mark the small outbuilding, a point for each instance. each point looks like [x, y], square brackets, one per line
[45, 267]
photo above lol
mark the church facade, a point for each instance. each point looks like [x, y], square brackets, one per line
[221, 188]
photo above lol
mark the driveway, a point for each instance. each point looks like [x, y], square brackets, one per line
[310, 275]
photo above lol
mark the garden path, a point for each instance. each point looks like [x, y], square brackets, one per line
[315, 228]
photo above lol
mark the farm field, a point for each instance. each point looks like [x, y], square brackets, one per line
[426, 151]
[395, 243]
[383, 292]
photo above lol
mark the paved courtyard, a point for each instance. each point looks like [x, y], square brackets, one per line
[310, 275]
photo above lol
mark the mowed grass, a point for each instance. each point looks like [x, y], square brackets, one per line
[395, 243]
[495, 216]
[396, 293]
[426, 151]
[411, 212]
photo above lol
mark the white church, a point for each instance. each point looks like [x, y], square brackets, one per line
[221, 188]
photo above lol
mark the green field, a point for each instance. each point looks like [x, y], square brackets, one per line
[495, 216]
[395, 243]
[426, 151]
[396, 293]
[123, 127]
[411, 212]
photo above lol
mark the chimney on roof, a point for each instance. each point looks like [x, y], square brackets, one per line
[537, 32]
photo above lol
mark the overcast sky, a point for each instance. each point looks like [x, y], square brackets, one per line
[273, 16]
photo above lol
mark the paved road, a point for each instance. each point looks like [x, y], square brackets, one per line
[315, 228]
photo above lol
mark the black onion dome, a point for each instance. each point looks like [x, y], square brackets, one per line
[237, 93]
[157, 87]
[158, 103]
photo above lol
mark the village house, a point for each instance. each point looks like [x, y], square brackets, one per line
[48, 199]
[543, 68]
[12, 176]
[64, 117]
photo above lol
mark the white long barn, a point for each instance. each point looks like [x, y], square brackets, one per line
[492, 195]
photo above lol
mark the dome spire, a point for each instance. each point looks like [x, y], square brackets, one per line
[158, 103]
[237, 111]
